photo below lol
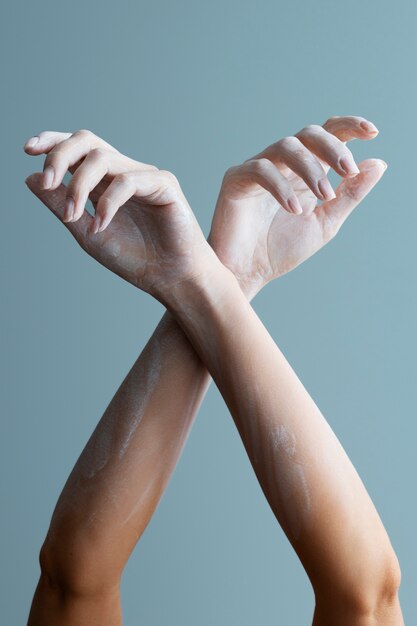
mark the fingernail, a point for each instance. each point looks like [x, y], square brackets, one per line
[31, 142]
[326, 189]
[348, 165]
[48, 177]
[103, 225]
[384, 165]
[69, 210]
[294, 205]
[369, 127]
[95, 225]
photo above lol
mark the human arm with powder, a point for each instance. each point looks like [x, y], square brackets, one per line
[93, 463]
[125, 466]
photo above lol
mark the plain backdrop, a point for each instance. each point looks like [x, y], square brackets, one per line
[195, 87]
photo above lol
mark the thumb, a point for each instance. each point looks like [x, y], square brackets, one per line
[55, 199]
[352, 191]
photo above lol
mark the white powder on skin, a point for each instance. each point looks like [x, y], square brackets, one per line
[101, 482]
[111, 440]
[141, 393]
[123, 416]
[139, 502]
[290, 479]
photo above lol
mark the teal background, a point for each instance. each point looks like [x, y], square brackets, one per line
[195, 87]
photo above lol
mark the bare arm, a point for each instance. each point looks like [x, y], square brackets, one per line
[125, 466]
[309, 481]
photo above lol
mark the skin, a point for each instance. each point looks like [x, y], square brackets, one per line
[119, 478]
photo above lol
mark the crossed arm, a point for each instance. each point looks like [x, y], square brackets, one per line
[303, 470]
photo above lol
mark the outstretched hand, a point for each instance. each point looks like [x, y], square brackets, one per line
[267, 218]
[143, 228]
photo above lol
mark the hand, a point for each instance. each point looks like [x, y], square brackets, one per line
[267, 218]
[143, 229]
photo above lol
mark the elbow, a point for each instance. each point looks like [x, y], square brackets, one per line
[370, 591]
[74, 565]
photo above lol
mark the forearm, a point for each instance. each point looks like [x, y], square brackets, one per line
[308, 479]
[124, 468]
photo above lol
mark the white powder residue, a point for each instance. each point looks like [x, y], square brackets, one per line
[291, 481]
[141, 393]
[119, 423]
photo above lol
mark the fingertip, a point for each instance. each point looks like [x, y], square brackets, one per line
[76, 216]
[369, 128]
[102, 227]
[348, 167]
[373, 164]
[30, 144]
[294, 206]
[97, 224]
[33, 180]
[325, 189]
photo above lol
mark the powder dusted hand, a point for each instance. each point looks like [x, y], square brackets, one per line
[268, 220]
[143, 229]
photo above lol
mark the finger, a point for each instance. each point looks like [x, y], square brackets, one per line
[55, 201]
[44, 142]
[329, 148]
[350, 193]
[157, 188]
[98, 163]
[350, 127]
[92, 170]
[68, 153]
[264, 173]
[292, 153]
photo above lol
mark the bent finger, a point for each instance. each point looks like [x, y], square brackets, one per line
[292, 153]
[350, 193]
[154, 187]
[329, 149]
[264, 173]
[55, 201]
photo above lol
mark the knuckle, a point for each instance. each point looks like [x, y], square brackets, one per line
[83, 133]
[231, 170]
[330, 121]
[98, 154]
[310, 129]
[152, 168]
[260, 166]
[289, 143]
[124, 178]
[170, 178]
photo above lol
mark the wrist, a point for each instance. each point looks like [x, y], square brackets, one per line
[250, 285]
[230, 256]
[213, 312]
[203, 292]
